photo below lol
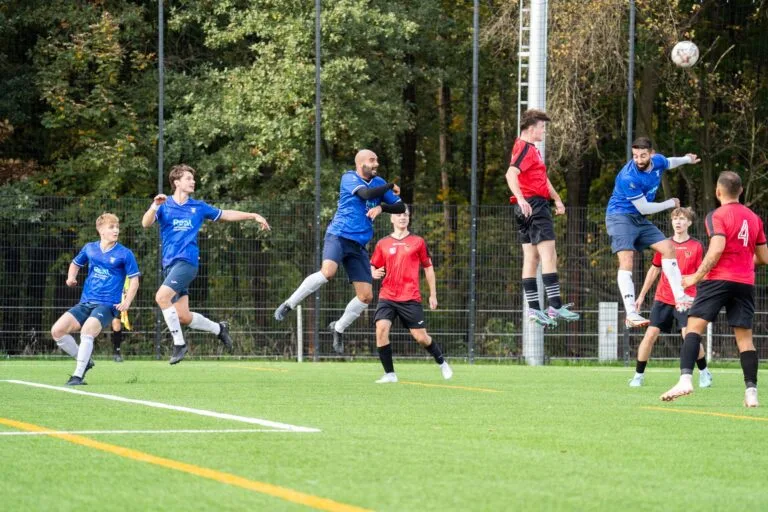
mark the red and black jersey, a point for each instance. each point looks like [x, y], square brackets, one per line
[402, 259]
[533, 172]
[743, 231]
[689, 255]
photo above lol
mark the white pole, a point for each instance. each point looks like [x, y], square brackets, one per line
[709, 342]
[608, 325]
[299, 335]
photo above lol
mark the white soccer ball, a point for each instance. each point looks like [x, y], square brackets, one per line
[685, 54]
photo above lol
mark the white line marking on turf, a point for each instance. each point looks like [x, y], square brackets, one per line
[160, 405]
[110, 432]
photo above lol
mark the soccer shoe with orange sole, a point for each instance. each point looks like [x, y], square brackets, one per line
[635, 320]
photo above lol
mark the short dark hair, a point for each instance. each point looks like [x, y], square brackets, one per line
[532, 116]
[642, 143]
[177, 171]
[731, 182]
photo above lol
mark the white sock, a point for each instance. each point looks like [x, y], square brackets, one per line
[200, 323]
[83, 354]
[172, 320]
[68, 344]
[627, 289]
[672, 271]
[310, 285]
[353, 310]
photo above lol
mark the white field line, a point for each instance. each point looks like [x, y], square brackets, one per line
[110, 432]
[159, 405]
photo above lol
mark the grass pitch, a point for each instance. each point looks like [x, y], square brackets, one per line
[492, 438]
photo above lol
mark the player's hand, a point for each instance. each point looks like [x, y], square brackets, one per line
[160, 199]
[374, 212]
[677, 202]
[694, 158]
[396, 189]
[559, 208]
[433, 302]
[525, 207]
[639, 302]
[71, 282]
[379, 273]
[262, 221]
[688, 281]
[123, 306]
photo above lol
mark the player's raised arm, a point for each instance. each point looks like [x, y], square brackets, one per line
[677, 161]
[149, 216]
[364, 192]
[646, 208]
[236, 215]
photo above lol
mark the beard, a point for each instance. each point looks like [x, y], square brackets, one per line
[369, 170]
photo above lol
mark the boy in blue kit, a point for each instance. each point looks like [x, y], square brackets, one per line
[362, 197]
[629, 229]
[180, 218]
[109, 263]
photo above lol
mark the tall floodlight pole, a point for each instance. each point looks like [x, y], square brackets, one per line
[631, 79]
[473, 200]
[160, 157]
[318, 141]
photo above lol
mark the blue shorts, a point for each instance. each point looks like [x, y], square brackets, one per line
[351, 254]
[632, 232]
[178, 276]
[104, 313]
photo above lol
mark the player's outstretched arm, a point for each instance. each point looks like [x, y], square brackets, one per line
[130, 294]
[235, 216]
[429, 273]
[646, 208]
[149, 216]
[650, 277]
[72, 275]
[677, 161]
[715, 250]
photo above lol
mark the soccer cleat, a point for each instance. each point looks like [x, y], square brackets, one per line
[541, 318]
[682, 388]
[562, 312]
[750, 398]
[118, 358]
[281, 311]
[388, 378]
[445, 369]
[705, 378]
[684, 303]
[635, 320]
[224, 336]
[338, 342]
[179, 351]
[78, 381]
[90, 365]
[637, 381]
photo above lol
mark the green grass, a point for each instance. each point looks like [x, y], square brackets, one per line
[552, 438]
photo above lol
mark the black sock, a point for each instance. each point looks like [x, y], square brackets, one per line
[702, 363]
[689, 352]
[749, 367]
[117, 340]
[531, 292]
[640, 366]
[385, 355]
[552, 287]
[433, 349]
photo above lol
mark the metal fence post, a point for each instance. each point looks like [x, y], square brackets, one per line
[608, 326]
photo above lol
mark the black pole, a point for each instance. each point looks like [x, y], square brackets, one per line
[473, 228]
[318, 141]
[160, 147]
[631, 79]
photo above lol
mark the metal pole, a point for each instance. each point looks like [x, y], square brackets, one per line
[299, 335]
[160, 157]
[631, 79]
[318, 142]
[473, 230]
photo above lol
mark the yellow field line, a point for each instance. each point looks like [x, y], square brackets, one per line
[256, 368]
[211, 474]
[705, 413]
[465, 388]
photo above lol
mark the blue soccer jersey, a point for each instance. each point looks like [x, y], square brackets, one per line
[350, 221]
[106, 272]
[179, 225]
[632, 184]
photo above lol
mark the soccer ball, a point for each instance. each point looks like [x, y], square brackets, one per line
[685, 54]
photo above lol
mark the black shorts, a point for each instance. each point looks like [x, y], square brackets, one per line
[411, 313]
[664, 316]
[538, 227]
[737, 298]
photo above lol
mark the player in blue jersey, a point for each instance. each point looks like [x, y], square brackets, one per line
[632, 199]
[362, 197]
[180, 218]
[109, 264]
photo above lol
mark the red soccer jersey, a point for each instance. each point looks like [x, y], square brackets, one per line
[743, 230]
[689, 255]
[533, 172]
[402, 260]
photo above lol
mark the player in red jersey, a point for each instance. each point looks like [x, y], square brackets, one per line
[689, 253]
[531, 193]
[397, 258]
[727, 279]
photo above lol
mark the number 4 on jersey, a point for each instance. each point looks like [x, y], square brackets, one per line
[744, 233]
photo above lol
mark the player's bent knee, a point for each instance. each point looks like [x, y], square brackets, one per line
[185, 318]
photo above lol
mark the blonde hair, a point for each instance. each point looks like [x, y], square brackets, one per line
[106, 218]
[683, 211]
